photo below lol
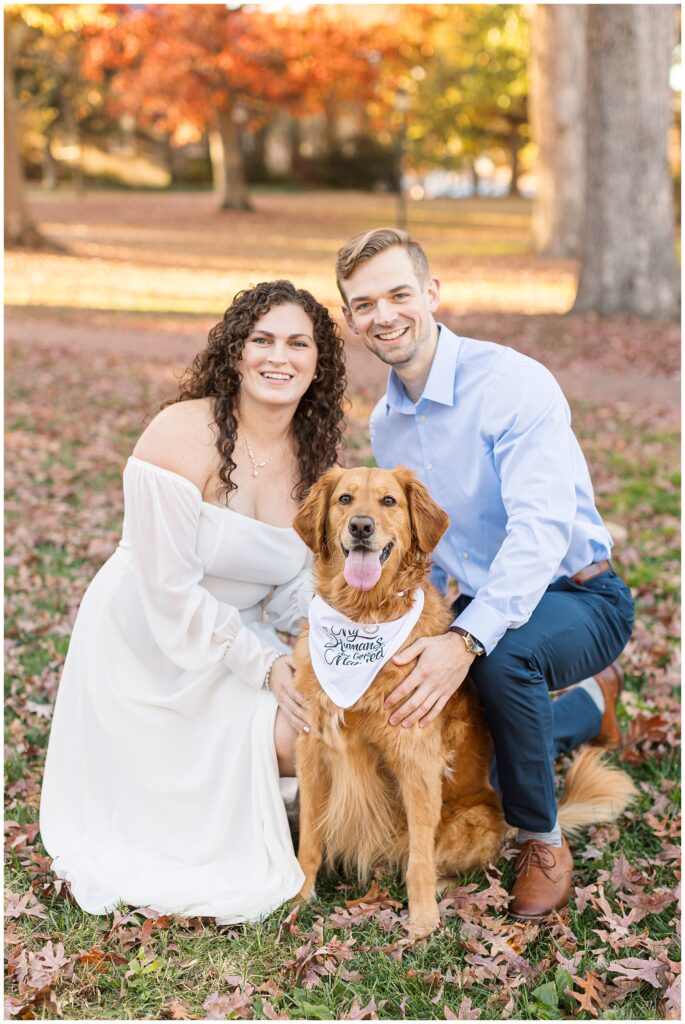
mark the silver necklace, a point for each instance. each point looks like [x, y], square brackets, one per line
[256, 466]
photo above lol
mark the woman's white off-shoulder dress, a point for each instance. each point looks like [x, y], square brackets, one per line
[161, 784]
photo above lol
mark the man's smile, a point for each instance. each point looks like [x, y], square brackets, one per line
[398, 332]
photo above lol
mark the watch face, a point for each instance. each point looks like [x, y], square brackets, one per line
[474, 646]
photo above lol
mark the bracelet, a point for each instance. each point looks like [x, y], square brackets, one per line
[267, 677]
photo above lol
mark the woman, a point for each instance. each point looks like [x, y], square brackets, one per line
[176, 712]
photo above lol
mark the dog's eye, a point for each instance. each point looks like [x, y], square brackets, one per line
[345, 499]
[388, 500]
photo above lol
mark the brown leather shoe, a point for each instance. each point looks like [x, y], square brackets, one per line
[610, 683]
[543, 880]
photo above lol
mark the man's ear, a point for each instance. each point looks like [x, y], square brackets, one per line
[310, 519]
[428, 521]
[433, 293]
[349, 319]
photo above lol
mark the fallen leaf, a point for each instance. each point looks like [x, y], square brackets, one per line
[23, 906]
[643, 970]
[591, 998]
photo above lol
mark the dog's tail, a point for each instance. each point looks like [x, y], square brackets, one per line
[593, 792]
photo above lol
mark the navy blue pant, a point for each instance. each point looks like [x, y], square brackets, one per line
[574, 632]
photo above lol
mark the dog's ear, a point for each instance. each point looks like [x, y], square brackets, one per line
[310, 519]
[428, 520]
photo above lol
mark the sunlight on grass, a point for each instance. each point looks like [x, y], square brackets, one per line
[175, 253]
[135, 286]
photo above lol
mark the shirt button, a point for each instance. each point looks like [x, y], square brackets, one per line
[429, 465]
[422, 419]
[465, 555]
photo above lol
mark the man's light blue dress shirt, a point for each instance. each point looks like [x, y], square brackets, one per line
[491, 438]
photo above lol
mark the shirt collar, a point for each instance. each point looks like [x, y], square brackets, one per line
[440, 384]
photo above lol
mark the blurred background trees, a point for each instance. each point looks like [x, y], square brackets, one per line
[433, 100]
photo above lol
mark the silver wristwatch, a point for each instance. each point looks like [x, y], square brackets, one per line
[473, 646]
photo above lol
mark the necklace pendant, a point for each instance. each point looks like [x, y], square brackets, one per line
[254, 472]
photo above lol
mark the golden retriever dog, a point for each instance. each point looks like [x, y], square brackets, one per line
[375, 795]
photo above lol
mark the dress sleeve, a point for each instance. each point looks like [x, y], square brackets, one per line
[288, 604]
[192, 628]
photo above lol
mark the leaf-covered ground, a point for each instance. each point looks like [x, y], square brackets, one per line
[79, 386]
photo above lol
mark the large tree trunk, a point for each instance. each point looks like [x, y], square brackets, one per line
[557, 108]
[628, 256]
[19, 227]
[228, 171]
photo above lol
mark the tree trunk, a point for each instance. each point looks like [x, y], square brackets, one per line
[330, 112]
[230, 187]
[49, 166]
[557, 109]
[514, 142]
[19, 227]
[475, 177]
[172, 158]
[78, 178]
[628, 258]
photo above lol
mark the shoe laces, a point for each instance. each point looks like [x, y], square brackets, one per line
[535, 855]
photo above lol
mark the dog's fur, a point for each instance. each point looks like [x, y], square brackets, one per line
[373, 794]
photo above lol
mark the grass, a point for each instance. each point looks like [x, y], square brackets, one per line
[165, 262]
[71, 423]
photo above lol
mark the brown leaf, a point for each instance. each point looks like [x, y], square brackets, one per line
[670, 1005]
[372, 896]
[39, 1000]
[591, 998]
[270, 988]
[271, 1013]
[23, 906]
[289, 924]
[219, 1007]
[98, 958]
[465, 1011]
[359, 1012]
[643, 970]
[175, 1009]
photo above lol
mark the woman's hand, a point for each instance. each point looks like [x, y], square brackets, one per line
[290, 700]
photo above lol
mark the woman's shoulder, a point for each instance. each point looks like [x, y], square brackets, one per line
[181, 438]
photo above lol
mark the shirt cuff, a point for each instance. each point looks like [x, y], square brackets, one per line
[249, 658]
[484, 623]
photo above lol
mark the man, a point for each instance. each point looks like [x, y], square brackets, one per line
[488, 430]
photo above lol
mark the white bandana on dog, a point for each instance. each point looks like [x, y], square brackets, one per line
[347, 656]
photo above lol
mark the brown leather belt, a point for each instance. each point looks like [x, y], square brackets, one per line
[590, 571]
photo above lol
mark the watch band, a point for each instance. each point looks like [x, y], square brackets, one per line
[472, 643]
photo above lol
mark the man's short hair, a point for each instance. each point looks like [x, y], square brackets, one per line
[370, 243]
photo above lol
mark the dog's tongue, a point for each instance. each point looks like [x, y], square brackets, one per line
[362, 569]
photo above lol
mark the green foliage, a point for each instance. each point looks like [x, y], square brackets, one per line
[48, 43]
[473, 99]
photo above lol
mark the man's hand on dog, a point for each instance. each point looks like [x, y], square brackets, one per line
[290, 700]
[442, 667]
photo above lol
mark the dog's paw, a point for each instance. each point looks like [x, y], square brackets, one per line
[307, 893]
[423, 923]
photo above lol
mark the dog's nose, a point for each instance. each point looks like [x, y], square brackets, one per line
[361, 527]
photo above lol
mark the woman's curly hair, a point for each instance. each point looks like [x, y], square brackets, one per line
[318, 421]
